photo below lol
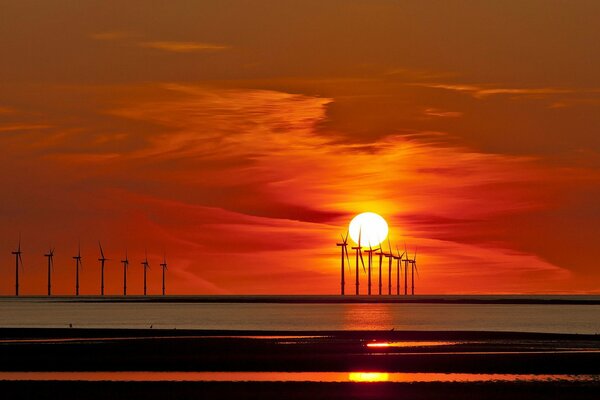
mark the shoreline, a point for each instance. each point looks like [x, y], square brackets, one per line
[320, 299]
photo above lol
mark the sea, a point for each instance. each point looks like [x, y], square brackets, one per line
[308, 314]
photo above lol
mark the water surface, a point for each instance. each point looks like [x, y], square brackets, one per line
[363, 377]
[549, 318]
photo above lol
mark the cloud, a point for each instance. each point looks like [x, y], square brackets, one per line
[183, 47]
[241, 183]
[434, 112]
[164, 45]
[483, 91]
[22, 127]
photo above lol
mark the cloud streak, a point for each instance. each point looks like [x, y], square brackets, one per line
[481, 92]
[182, 47]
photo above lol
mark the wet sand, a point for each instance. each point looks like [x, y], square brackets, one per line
[326, 299]
[350, 351]
[296, 390]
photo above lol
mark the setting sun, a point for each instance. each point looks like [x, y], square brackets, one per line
[370, 227]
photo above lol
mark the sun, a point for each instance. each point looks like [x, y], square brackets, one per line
[371, 228]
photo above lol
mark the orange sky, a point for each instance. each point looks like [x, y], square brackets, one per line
[241, 137]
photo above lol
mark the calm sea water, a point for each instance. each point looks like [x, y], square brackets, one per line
[552, 318]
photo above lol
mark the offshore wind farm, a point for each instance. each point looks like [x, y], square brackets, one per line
[366, 199]
[19, 268]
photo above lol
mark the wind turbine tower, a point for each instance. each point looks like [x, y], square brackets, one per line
[146, 266]
[390, 257]
[50, 256]
[125, 263]
[406, 262]
[344, 246]
[17, 253]
[413, 263]
[358, 255]
[369, 263]
[78, 264]
[164, 268]
[102, 260]
[381, 253]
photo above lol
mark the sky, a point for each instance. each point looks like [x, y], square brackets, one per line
[238, 139]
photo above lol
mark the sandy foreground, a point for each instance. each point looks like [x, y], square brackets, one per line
[340, 351]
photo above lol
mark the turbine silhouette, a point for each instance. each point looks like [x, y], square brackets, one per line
[18, 261]
[344, 246]
[78, 264]
[50, 256]
[358, 254]
[164, 268]
[125, 263]
[102, 260]
[146, 267]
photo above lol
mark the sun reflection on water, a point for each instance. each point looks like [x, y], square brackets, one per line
[409, 344]
[368, 377]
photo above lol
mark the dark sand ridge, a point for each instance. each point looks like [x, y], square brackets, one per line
[192, 350]
[297, 390]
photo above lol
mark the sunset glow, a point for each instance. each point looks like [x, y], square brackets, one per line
[368, 376]
[244, 153]
[368, 228]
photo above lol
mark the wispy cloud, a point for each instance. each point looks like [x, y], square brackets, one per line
[183, 47]
[173, 46]
[434, 112]
[22, 127]
[484, 91]
[235, 177]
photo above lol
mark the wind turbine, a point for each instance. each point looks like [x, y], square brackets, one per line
[413, 263]
[358, 253]
[18, 260]
[369, 262]
[164, 268]
[390, 257]
[146, 266]
[50, 256]
[406, 261]
[78, 264]
[344, 246]
[381, 253]
[398, 259]
[125, 263]
[102, 260]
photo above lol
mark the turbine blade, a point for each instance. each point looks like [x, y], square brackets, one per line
[415, 257]
[347, 256]
[101, 251]
[361, 261]
[359, 235]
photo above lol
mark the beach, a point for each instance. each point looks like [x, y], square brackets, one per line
[152, 362]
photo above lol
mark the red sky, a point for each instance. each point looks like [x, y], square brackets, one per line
[241, 137]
